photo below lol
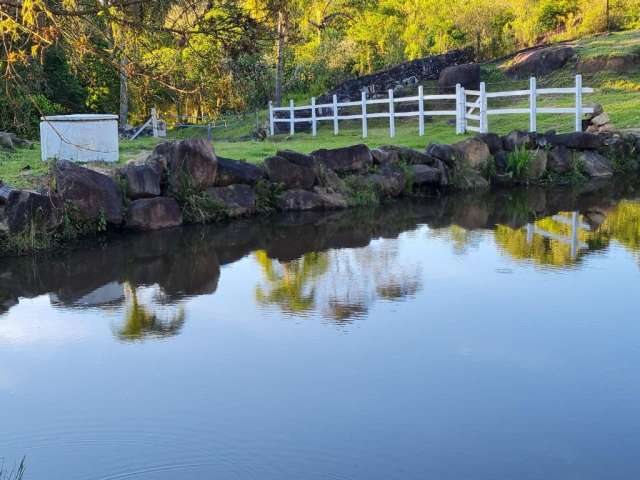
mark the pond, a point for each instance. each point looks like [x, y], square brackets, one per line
[490, 336]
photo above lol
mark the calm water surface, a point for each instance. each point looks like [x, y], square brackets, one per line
[483, 337]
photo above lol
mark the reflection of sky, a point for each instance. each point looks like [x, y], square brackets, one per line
[480, 374]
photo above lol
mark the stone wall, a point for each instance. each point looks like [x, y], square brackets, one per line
[185, 182]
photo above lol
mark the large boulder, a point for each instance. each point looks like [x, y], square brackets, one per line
[539, 62]
[298, 200]
[344, 160]
[560, 160]
[153, 214]
[443, 152]
[5, 141]
[425, 176]
[473, 153]
[471, 180]
[25, 209]
[236, 200]
[577, 140]
[92, 194]
[406, 155]
[537, 165]
[517, 139]
[234, 171]
[291, 176]
[388, 182]
[297, 158]
[142, 181]
[467, 75]
[493, 141]
[190, 163]
[594, 165]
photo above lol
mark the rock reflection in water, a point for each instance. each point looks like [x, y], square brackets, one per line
[333, 264]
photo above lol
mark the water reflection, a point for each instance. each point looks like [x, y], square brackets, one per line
[336, 265]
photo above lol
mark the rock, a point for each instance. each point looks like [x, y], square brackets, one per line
[518, 139]
[444, 152]
[291, 176]
[577, 140]
[237, 200]
[331, 182]
[537, 165]
[304, 200]
[300, 159]
[384, 157]
[142, 181]
[597, 110]
[471, 180]
[500, 159]
[25, 209]
[424, 175]
[594, 165]
[560, 160]
[5, 190]
[600, 120]
[153, 214]
[493, 141]
[5, 141]
[234, 171]
[190, 163]
[344, 160]
[407, 155]
[389, 182]
[332, 200]
[473, 153]
[467, 75]
[92, 194]
[539, 62]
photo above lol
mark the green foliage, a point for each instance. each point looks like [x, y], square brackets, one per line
[408, 177]
[267, 194]
[197, 206]
[489, 168]
[360, 193]
[75, 226]
[518, 162]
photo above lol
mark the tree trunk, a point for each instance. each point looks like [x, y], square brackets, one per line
[280, 58]
[124, 93]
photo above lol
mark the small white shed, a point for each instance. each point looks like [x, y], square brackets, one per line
[79, 137]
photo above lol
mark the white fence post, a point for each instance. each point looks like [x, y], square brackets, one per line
[533, 105]
[484, 127]
[578, 103]
[292, 118]
[313, 116]
[459, 110]
[154, 122]
[364, 115]
[421, 110]
[392, 116]
[335, 115]
[271, 122]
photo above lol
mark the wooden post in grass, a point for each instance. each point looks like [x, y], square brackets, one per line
[533, 105]
[364, 114]
[335, 115]
[421, 110]
[292, 118]
[313, 116]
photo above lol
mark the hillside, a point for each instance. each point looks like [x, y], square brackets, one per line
[609, 63]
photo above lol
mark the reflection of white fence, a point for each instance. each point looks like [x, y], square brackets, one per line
[467, 106]
[572, 240]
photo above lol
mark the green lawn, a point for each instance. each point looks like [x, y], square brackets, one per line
[618, 93]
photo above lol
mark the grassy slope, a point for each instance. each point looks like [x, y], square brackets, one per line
[618, 93]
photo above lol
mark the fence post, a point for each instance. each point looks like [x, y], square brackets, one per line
[335, 114]
[578, 103]
[484, 127]
[421, 109]
[392, 117]
[292, 118]
[460, 109]
[533, 105]
[364, 114]
[154, 122]
[272, 129]
[313, 116]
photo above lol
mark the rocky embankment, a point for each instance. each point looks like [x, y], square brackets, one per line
[185, 182]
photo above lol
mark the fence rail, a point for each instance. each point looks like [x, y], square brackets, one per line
[470, 109]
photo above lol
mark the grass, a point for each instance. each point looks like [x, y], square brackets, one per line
[618, 93]
[518, 162]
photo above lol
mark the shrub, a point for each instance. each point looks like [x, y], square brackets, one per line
[518, 162]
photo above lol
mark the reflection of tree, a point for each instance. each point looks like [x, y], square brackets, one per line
[291, 284]
[462, 239]
[339, 284]
[141, 322]
[623, 225]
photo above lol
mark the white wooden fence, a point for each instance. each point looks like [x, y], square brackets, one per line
[468, 107]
